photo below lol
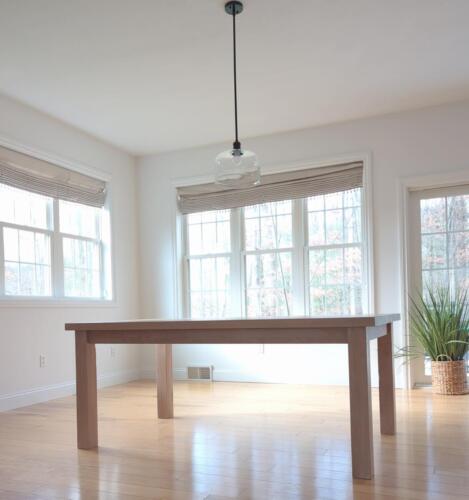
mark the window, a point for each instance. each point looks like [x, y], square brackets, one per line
[440, 248]
[444, 223]
[304, 256]
[335, 253]
[268, 258]
[209, 255]
[51, 247]
[81, 249]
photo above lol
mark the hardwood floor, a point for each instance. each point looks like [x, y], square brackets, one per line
[245, 441]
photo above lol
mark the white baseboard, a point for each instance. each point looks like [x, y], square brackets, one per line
[229, 375]
[146, 373]
[178, 373]
[218, 375]
[46, 393]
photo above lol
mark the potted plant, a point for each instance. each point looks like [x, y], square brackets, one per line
[439, 325]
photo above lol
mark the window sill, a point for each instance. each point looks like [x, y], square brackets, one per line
[39, 302]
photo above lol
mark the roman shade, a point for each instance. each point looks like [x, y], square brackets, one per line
[273, 187]
[26, 172]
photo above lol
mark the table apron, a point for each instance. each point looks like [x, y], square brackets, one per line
[227, 336]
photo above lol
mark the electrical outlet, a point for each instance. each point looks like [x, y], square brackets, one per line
[113, 352]
[42, 361]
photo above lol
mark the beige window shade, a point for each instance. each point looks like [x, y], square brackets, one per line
[273, 187]
[25, 172]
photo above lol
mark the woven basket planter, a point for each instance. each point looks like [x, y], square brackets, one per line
[449, 377]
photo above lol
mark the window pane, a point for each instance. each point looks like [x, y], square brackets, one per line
[12, 278]
[445, 242]
[433, 215]
[43, 280]
[80, 220]
[11, 244]
[268, 284]
[461, 278]
[317, 268]
[195, 239]
[434, 279]
[433, 251]
[459, 249]
[27, 249]
[353, 266]
[458, 213]
[316, 228]
[353, 198]
[335, 256]
[81, 268]
[334, 227]
[209, 287]
[352, 225]
[353, 278]
[334, 200]
[209, 232]
[268, 226]
[336, 300]
[27, 262]
[336, 281]
[24, 208]
[27, 281]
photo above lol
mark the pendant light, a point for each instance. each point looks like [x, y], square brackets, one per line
[236, 168]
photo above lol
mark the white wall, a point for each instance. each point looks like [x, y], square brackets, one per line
[428, 141]
[27, 332]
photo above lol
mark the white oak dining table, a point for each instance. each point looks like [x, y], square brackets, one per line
[354, 331]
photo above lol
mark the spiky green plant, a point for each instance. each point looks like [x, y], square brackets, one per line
[439, 325]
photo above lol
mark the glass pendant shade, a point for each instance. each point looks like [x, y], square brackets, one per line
[237, 168]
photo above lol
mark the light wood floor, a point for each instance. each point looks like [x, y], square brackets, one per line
[247, 441]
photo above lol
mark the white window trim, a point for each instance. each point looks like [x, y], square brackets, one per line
[107, 268]
[294, 250]
[405, 186]
[181, 305]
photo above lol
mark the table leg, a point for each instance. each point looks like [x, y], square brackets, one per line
[164, 380]
[361, 423]
[87, 397]
[387, 406]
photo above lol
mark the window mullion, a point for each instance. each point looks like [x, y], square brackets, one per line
[299, 270]
[102, 280]
[2, 263]
[186, 295]
[365, 257]
[57, 254]
[236, 264]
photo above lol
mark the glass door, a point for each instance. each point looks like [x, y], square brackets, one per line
[439, 249]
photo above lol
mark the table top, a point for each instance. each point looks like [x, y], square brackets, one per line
[237, 324]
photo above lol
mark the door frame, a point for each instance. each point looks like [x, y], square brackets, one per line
[406, 186]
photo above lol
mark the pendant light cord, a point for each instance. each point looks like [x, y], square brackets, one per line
[236, 144]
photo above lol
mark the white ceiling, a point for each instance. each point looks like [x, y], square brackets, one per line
[155, 75]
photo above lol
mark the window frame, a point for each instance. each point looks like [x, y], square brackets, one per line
[300, 248]
[417, 374]
[31, 229]
[367, 284]
[60, 259]
[277, 251]
[57, 264]
[186, 258]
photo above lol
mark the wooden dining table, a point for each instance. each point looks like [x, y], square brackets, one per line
[354, 331]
